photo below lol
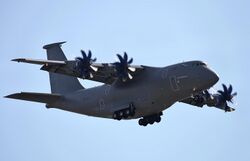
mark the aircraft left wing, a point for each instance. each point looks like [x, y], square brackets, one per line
[193, 101]
[104, 72]
[218, 100]
[211, 103]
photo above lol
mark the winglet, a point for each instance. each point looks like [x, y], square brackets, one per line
[53, 44]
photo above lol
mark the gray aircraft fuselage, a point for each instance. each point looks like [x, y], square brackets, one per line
[151, 92]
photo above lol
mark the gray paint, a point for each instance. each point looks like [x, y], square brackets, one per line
[150, 96]
[151, 91]
[60, 83]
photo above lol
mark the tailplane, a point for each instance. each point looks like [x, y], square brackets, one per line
[36, 97]
[59, 83]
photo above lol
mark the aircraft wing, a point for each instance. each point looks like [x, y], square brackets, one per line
[201, 99]
[193, 101]
[105, 72]
[39, 61]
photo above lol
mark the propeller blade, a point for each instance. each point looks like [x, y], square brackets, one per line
[125, 57]
[130, 76]
[221, 92]
[230, 89]
[84, 55]
[234, 94]
[94, 68]
[120, 58]
[132, 69]
[130, 61]
[93, 60]
[91, 75]
[224, 88]
[89, 54]
[78, 59]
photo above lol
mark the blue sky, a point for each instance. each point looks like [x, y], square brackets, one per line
[155, 33]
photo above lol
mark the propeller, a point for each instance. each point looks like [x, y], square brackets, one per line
[83, 64]
[225, 96]
[123, 69]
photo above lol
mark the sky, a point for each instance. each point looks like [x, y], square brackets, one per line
[153, 32]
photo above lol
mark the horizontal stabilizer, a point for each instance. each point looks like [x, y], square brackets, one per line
[36, 97]
[48, 46]
[39, 61]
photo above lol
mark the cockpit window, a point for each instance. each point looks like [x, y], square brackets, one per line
[193, 64]
[199, 64]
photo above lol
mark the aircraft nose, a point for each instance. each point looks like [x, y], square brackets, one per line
[213, 77]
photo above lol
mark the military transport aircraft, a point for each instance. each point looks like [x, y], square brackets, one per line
[129, 91]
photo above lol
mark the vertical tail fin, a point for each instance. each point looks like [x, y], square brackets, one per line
[59, 83]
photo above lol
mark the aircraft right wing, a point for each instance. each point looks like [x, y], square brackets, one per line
[104, 72]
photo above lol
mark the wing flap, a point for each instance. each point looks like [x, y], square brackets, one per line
[35, 97]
